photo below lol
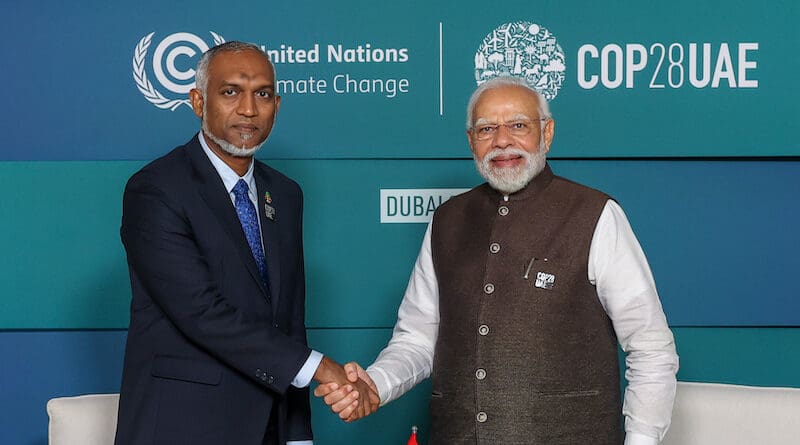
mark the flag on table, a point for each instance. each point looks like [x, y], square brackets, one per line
[413, 439]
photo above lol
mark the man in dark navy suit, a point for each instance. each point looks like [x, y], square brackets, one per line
[216, 350]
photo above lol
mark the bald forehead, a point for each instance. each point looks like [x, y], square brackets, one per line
[227, 56]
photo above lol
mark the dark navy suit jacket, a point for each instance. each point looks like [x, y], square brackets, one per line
[210, 352]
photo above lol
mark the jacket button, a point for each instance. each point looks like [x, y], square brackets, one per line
[494, 247]
[480, 374]
[503, 210]
[270, 379]
[481, 417]
[489, 288]
[483, 329]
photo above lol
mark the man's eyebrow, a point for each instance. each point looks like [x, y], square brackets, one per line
[514, 118]
[262, 86]
[520, 117]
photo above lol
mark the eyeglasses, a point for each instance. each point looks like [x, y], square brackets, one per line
[516, 128]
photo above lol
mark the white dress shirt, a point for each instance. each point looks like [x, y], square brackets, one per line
[230, 178]
[626, 289]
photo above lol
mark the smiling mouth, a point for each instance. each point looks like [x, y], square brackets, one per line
[508, 157]
[506, 160]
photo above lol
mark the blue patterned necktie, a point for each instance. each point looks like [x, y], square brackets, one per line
[249, 219]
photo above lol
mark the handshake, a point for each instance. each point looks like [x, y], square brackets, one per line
[347, 390]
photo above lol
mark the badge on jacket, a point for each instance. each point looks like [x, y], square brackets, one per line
[269, 211]
[545, 280]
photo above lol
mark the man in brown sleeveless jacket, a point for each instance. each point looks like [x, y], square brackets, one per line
[521, 292]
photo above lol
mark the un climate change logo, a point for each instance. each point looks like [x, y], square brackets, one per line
[175, 80]
[526, 50]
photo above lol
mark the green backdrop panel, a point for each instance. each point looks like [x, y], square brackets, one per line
[716, 234]
[741, 356]
[622, 70]
[62, 264]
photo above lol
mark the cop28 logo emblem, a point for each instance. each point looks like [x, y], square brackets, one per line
[526, 50]
[167, 65]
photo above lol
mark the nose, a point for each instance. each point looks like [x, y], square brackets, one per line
[247, 106]
[502, 138]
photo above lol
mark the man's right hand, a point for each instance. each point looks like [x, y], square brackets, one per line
[349, 391]
[344, 400]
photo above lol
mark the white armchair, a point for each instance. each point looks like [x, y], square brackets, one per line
[83, 420]
[716, 414]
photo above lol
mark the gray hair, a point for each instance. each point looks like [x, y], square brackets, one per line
[234, 46]
[505, 81]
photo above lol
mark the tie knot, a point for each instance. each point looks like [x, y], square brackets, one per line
[241, 188]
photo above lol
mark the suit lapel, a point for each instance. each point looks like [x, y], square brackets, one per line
[269, 232]
[213, 192]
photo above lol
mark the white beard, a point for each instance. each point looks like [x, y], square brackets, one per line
[511, 179]
[227, 147]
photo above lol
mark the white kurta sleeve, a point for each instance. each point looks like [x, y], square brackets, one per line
[627, 291]
[408, 358]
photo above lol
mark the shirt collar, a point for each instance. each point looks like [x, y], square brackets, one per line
[228, 175]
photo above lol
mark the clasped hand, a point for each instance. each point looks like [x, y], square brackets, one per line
[353, 398]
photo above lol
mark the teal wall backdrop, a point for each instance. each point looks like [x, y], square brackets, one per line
[717, 233]
[684, 112]
[628, 79]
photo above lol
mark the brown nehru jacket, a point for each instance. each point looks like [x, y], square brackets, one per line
[526, 354]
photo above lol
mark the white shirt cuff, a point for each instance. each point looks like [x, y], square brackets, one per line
[304, 376]
[639, 439]
[300, 442]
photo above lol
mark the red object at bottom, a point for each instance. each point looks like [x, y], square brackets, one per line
[413, 439]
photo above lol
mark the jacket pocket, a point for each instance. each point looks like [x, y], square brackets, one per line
[186, 369]
[569, 394]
